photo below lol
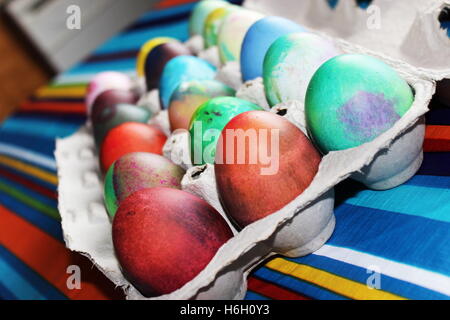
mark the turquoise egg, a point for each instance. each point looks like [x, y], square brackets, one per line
[352, 99]
[200, 12]
[258, 40]
[181, 69]
[290, 63]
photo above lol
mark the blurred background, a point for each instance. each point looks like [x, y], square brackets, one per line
[40, 38]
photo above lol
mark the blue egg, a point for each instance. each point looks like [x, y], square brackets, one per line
[258, 40]
[181, 69]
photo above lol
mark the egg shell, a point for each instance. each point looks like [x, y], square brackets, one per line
[157, 230]
[251, 189]
[208, 121]
[107, 117]
[109, 98]
[158, 58]
[146, 49]
[130, 137]
[232, 33]
[201, 12]
[179, 70]
[352, 99]
[290, 63]
[213, 23]
[137, 171]
[257, 41]
[189, 96]
[106, 81]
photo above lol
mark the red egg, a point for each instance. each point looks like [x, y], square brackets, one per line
[164, 237]
[130, 137]
[269, 165]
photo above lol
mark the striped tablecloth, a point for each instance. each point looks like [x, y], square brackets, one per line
[397, 240]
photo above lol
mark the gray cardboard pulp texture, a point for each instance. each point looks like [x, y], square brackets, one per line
[305, 224]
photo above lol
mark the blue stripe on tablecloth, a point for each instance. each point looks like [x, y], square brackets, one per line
[47, 128]
[38, 219]
[297, 285]
[5, 294]
[39, 144]
[438, 117]
[430, 181]
[30, 193]
[250, 295]
[355, 273]
[403, 238]
[23, 282]
[435, 164]
[423, 201]
[123, 65]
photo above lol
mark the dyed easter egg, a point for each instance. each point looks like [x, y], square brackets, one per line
[110, 98]
[106, 81]
[232, 33]
[200, 12]
[158, 230]
[137, 171]
[189, 96]
[257, 41]
[290, 63]
[207, 123]
[276, 165]
[130, 137]
[213, 23]
[158, 58]
[352, 99]
[146, 49]
[181, 69]
[105, 118]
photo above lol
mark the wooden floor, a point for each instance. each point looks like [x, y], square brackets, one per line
[21, 72]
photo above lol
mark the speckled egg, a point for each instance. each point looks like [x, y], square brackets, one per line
[158, 58]
[107, 117]
[189, 96]
[106, 81]
[207, 123]
[254, 188]
[352, 99]
[213, 23]
[146, 49]
[257, 41]
[130, 137]
[232, 33]
[200, 12]
[181, 69]
[137, 171]
[290, 63]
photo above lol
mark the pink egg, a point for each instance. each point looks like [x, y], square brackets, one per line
[106, 81]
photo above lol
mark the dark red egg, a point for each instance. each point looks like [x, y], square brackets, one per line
[263, 162]
[157, 59]
[108, 99]
[164, 237]
[130, 137]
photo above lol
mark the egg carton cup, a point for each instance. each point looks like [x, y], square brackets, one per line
[301, 227]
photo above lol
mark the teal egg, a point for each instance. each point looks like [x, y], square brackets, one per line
[207, 123]
[352, 99]
[179, 70]
[290, 63]
[200, 12]
[107, 117]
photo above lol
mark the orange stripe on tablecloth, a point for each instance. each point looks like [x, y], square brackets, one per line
[273, 291]
[61, 107]
[49, 258]
[437, 139]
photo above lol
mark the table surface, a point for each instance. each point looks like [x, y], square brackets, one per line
[398, 239]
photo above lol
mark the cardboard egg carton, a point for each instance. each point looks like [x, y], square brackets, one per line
[301, 227]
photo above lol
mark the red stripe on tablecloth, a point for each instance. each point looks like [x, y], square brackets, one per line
[170, 3]
[437, 139]
[49, 258]
[273, 291]
[60, 107]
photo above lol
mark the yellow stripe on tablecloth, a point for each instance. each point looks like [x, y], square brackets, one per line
[29, 169]
[77, 91]
[329, 281]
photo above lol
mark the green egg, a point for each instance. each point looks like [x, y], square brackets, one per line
[200, 12]
[213, 23]
[352, 99]
[207, 123]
